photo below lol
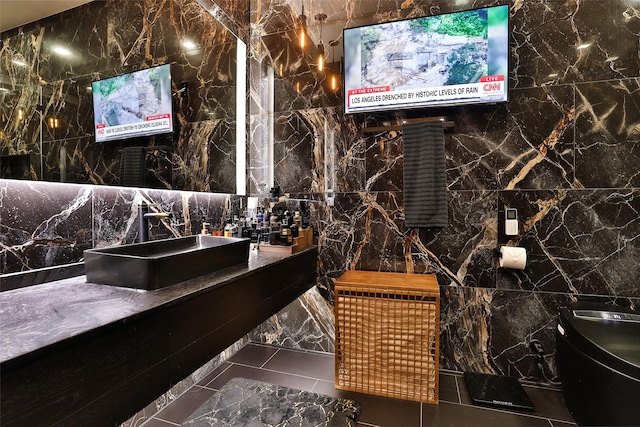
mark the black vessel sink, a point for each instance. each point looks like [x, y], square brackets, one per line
[160, 263]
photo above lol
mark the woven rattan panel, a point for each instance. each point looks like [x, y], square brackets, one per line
[387, 334]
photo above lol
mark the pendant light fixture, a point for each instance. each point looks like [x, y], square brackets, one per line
[302, 27]
[334, 75]
[321, 17]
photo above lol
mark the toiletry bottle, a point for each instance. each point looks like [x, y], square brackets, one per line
[265, 236]
[260, 218]
[254, 235]
[285, 236]
[205, 228]
[227, 228]
[274, 237]
[297, 219]
[273, 222]
[304, 213]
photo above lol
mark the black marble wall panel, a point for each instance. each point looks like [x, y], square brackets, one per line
[204, 158]
[49, 224]
[300, 330]
[563, 151]
[349, 150]
[43, 226]
[490, 331]
[580, 242]
[233, 14]
[547, 34]
[292, 151]
[607, 133]
[384, 162]
[46, 99]
[115, 213]
[259, 155]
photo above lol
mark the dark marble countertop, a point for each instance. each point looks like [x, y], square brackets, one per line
[39, 316]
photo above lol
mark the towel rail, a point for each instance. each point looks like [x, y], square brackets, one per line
[446, 124]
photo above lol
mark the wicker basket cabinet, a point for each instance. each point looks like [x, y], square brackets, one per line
[387, 334]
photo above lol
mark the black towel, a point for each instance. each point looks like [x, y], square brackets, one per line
[133, 167]
[425, 179]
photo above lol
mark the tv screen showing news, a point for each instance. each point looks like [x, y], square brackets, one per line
[134, 104]
[457, 58]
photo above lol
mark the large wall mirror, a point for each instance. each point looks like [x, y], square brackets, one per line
[47, 127]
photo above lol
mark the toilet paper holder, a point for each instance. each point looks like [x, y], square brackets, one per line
[516, 258]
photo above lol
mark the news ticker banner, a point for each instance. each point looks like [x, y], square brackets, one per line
[156, 123]
[489, 87]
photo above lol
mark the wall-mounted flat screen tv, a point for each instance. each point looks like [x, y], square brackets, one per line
[458, 58]
[134, 104]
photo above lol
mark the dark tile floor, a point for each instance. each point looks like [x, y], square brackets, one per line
[313, 371]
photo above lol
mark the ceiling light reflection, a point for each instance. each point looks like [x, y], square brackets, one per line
[189, 45]
[62, 51]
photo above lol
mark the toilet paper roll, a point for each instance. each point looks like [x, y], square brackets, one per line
[513, 257]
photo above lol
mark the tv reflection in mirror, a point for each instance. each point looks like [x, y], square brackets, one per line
[133, 105]
[16, 166]
[460, 58]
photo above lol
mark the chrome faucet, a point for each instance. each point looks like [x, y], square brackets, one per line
[143, 221]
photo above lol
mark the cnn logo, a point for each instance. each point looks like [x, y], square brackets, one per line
[492, 87]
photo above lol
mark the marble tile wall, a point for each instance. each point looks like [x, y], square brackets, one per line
[107, 38]
[50, 224]
[563, 151]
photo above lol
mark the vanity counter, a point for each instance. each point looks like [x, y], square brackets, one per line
[120, 339]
